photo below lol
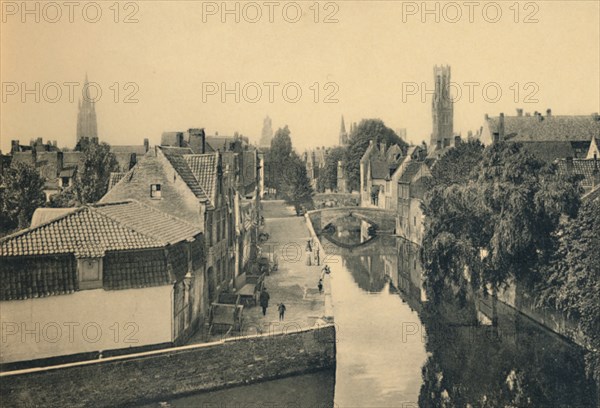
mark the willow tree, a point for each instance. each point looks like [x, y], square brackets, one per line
[498, 224]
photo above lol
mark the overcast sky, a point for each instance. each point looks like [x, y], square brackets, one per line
[178, 49]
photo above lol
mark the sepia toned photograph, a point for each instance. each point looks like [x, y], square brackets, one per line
[300, 204]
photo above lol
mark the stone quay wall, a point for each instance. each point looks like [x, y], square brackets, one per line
[166, 374]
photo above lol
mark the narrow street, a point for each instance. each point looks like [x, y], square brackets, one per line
[294, 283]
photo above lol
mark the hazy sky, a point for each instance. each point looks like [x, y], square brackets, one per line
[373, 52]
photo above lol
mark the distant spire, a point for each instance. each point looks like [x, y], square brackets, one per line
[343, 138]
[87, 126]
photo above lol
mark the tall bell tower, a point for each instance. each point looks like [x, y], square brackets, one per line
[442, 109]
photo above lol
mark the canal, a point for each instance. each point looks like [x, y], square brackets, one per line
[394, 349]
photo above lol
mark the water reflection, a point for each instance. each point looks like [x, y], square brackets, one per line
[396, 350]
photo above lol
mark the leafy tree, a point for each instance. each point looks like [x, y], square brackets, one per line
[66, 198]
[94, 173]
[572, 279]
[22, 193]
[296, 188]
[328, 175]
[456, 165]
[367, 130]
[496, 225]
[277, 158]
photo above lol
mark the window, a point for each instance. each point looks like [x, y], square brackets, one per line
[155, 191]
[89, 271]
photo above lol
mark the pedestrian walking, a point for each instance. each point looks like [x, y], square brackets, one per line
[320, 285]
[317, 257]
[281, 308]
[264, 300]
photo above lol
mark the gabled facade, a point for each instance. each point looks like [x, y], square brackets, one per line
[192, 187]
[377, 166]
[100, 278]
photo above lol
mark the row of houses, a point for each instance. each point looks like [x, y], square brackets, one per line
[140, 268]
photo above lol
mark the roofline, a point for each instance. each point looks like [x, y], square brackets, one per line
[128, 201]
[29, 229]
[159, 148]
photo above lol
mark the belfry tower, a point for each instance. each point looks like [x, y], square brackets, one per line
[86, 117]
[442, 109]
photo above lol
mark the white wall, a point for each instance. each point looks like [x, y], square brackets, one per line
[85, 321]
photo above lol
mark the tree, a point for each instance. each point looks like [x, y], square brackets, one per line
[23, 192]
[296, 188]
[456, 165]
[571, 281]
[94, 173]
[66, 198]
[367, 130]
[277, 158]
[328, 174]
[497, 225]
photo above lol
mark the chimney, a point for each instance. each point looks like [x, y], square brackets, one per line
[457, 139]
[501, 127]
[382, 146]
[486, 116]
[14, 146]
[519, 112]
[548, 112]
[60, 162]
[146, 144]
[569, 162]
[596, 116]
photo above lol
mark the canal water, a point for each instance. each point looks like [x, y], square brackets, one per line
[396, 350]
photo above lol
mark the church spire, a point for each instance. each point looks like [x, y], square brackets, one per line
[343, 140]
[87, 126]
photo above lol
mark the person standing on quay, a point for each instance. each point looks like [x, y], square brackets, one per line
[281, 308]
[264, 300]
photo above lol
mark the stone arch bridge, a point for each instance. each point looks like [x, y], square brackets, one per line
[384, 221]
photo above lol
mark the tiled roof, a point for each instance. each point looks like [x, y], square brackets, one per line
[199, 171]
[176, 158]
[164, 228]
[548, 128]
[91, 231]
[204, 169]
[115, 177]
[583, 167]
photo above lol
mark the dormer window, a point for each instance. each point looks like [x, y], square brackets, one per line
[155, 191]
[89, 271]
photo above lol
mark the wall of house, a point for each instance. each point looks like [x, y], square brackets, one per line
[85, 321]
[165, 374]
